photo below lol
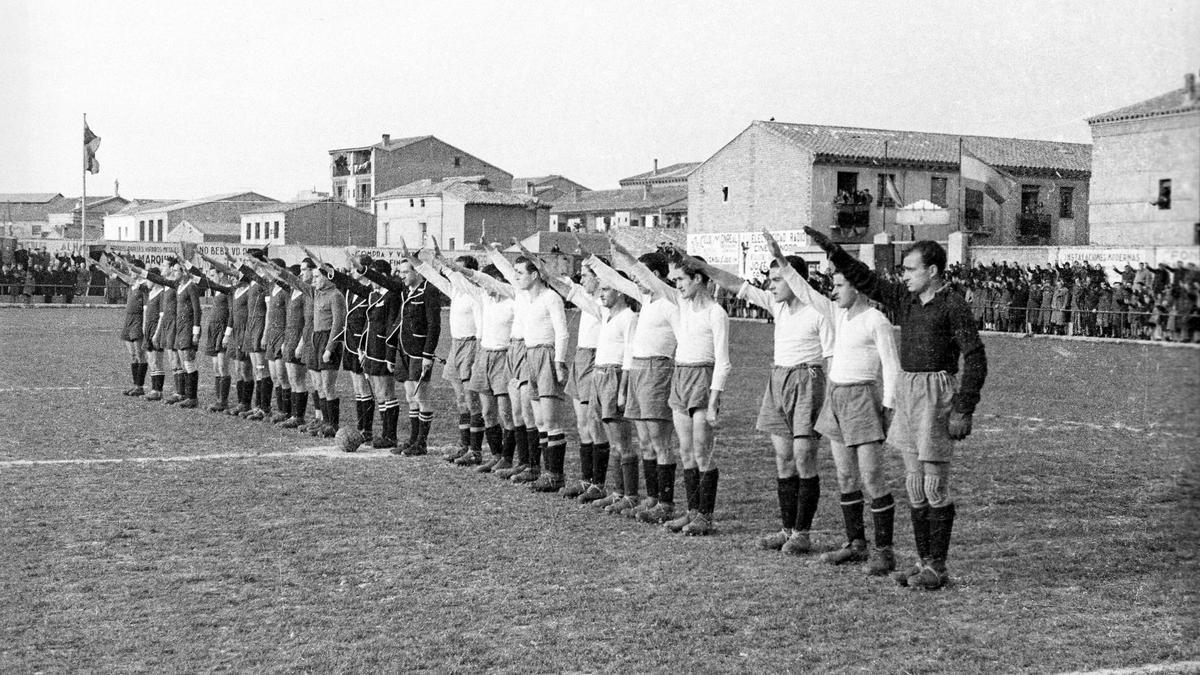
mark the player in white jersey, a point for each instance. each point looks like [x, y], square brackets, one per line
[528, 467]
[579, 379]
[793, 397]
[858, 405]
[490, 377]
[653, 352]
[464, 343]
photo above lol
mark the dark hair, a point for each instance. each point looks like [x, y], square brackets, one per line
[689, 269]
[153, 270]
[308, 264]
[493, 272]
[381, 266]
[529, 266]
[171, 260]
[932, 254]
[468, 262]
[797, 264]
[633, 303]
[279, 262]
[138, 263]
[294, 269]
[657, 263]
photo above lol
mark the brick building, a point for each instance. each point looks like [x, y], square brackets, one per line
[359, 174]
[675, 175]
[600, 210]
[786, 176]
[200, 232]
[311, 223]
[548, 189]
[1146, 171]
[456, 211]
[65, 224]
[25, 214]
[151, 220]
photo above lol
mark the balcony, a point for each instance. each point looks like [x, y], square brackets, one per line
[1033, 228]
[852, 219]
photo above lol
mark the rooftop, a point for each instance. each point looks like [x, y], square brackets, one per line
[678, 172]
[626, 199]
[29, 197]
[215, 228]
[831, 143]
[466, 188]
[391, 144]
[252, 197]
[284, 207]
[1170, 103]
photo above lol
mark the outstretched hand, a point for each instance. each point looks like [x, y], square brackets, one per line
[819, 238]
[773, 245]
[959, 425]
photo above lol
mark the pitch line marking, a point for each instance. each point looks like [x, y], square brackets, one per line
[11, 390]
[320, 451]
[1148, 669]
[1115, 426]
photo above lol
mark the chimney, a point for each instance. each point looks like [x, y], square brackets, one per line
[1189, 87]
[575, 192]
[116, 188]
[387, 138]
[655, 167]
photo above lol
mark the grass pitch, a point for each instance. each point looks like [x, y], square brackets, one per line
[1075, 546]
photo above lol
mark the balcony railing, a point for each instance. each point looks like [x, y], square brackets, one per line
[1033, 228]
[851, 220]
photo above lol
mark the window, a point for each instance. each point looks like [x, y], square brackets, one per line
[276, 234]
[258, 230]
[883, 198]
[1164, 194]
[972, 210]
[450, 244]
[411, 203]
[160, 230]
[141, 230]
[422, 203]
[364, 191]
[385, 206]
[937, 190]
[1031, 199]
[458, 161]
[1066, 202]
[423, 229]
[247, 231]
[725, 193]
[341, 192]
[847, 183]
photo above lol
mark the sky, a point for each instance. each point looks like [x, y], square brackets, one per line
[193, 99]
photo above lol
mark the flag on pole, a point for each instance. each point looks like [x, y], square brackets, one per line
[90, 143]
[995, 183]
[892, 193]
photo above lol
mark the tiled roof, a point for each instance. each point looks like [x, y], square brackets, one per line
[678, 171]
[638, 240]
[1169, 103]
[29, 197]
[392, 144]
[858, 144]
[465, 188]
[621, 200]
[139, 205]
[520, 183]
[252, 197]
[284, 207]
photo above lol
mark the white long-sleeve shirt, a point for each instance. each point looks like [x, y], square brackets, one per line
[615, 333]
[656, 323]
[591, 315]
[464, 309]
[495, 316]
[545, 322]
[802, 334]
[864, 348]
[703, 337]
[520, 298]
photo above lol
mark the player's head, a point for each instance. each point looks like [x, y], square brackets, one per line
[924, 262]
[468, 262]
[779, 287]
[844, 292]
[688, 278]
[527, 274]
[408, 274]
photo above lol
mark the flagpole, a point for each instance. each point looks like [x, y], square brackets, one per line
[883, 196]
[962, 190]
[83, 200]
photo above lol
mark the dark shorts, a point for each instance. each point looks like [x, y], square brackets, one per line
[411, 369]
[351, 362]
[490, 374]
[183, 338]
[579, 379]
[213, 339]
[543, 379]
[649, 389]
[852, 414]
[235, 345]
[132, 331]
[461, 359]
[167, 338]
[606, 389]
[252, 338]
[517, 366]
[275, 345]
[920, 424]
[316, 355]
[792, 401]
[690, 385]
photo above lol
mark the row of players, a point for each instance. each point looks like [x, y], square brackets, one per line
[652, 358]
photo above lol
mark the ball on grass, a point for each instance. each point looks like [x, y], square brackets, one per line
[347, 440]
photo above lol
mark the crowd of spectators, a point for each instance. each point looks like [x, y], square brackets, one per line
[37, 276]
